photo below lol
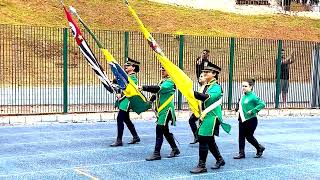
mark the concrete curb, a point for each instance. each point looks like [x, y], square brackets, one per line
[111, 116]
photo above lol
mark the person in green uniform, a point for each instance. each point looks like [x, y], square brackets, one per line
[193, 119]
[211, 118]
[123, 103]
[248, 107]
[164, 107]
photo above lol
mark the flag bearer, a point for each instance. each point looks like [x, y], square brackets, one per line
[123, 103]
[248, 107]
[211, 118]
[165, 112]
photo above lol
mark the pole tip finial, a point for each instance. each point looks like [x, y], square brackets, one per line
[73, 10]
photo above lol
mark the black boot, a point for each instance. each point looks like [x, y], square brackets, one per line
[194, 128]
[134, 140]
[241, 155]
[195, 141]
[174, 153]
[201, 168]
[260, 151]
[118, 142]
[218, 164]
[216, 153]
[157, 148]
[154, 156]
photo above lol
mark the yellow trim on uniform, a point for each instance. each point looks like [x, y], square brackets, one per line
[165, 103]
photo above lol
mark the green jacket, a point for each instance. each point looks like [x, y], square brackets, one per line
[250, 105]
[123, 103]
[164, 100]
[208, 125]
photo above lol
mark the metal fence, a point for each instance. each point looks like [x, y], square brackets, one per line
[43, 70]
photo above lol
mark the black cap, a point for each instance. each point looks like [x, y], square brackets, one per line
[131, 62]
[209, 66]
[135, 64]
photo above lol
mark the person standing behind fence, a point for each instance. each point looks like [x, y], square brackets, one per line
[193, 119]
[123, 103]
[284, 75]
[201, 62]
[165, 113]
[248, 107]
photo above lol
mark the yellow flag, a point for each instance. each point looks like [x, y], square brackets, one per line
[132, 88]
[181, 80]
[138, 101]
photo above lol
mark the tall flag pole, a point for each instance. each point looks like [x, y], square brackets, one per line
[181, 80]
[138, 101]
[87, 52]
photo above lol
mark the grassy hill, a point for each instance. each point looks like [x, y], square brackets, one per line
[33, 55]
[113, 15]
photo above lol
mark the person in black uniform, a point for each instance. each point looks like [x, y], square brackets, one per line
[201, 62]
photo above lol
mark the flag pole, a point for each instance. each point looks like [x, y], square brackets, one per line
[74, 11]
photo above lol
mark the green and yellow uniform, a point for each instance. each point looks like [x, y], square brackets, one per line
[164, 101]
[123, 103]
[211, 120]
[165, 112]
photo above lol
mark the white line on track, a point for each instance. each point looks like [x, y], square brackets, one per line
[139, 161]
